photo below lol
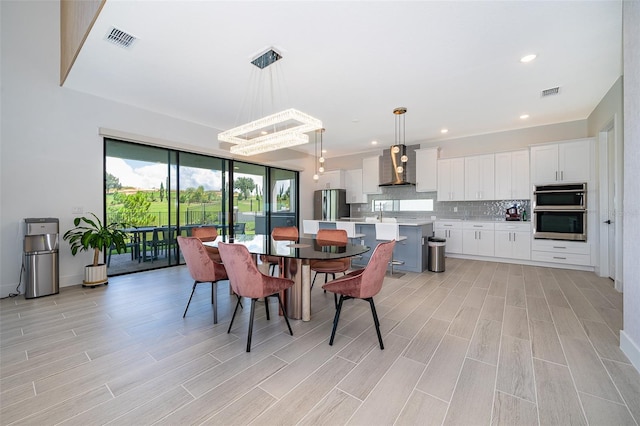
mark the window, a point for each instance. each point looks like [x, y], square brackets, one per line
[158, 194]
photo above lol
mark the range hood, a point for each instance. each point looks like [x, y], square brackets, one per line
[394, 171]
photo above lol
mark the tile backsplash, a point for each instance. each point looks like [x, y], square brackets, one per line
[494, 209]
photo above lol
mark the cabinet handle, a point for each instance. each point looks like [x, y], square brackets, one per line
[558, 247]
[560, 257]
[562, 175]
[479, 235]
[514, 237]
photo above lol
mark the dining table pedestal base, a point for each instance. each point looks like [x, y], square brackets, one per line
[298, 296]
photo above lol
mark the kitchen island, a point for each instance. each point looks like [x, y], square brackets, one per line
[414, 251]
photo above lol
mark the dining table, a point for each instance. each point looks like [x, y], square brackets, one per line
[296, 255]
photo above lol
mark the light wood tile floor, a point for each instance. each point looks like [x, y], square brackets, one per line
[482, 343]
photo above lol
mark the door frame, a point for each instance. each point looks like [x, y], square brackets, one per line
[612, 124]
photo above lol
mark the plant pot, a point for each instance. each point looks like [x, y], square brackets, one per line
[95, 275]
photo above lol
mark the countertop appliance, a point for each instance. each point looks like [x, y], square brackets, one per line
[560, 212]
[513, 213]
[330, 204]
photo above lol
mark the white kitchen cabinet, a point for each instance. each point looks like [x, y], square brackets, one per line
[565, 252]
[563, 162]
[427, 170]
[452, 232]
[513, 240]
[333, 179]
[478, 238]
[512, 176]
[371, 175]
[451, 179]
[353, 182]
[479, 177]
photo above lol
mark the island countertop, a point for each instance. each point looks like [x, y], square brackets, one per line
[401, 222]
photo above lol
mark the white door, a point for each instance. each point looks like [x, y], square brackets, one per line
[611, 179]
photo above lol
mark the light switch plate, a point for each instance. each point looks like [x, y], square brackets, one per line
[77, 210]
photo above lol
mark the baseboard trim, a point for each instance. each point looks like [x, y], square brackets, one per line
[630, 349]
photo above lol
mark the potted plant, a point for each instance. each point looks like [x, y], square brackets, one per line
[91, 234]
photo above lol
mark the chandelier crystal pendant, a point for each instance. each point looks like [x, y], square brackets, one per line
[279, 130]
[315, 157]
[321, 159]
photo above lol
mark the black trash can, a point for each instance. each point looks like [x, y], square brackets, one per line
[436, 254]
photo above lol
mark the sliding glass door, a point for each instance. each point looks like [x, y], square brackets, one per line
[157, 194]
[249, 204]
[140, 189]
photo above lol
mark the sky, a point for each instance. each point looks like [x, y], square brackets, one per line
[148, 175]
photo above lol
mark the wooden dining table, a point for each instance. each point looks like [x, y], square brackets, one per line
[296, 255]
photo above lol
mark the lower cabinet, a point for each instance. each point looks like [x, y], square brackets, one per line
[478, 238]
[413, 251]
[513, 240]
[565, 252]
[452, 232]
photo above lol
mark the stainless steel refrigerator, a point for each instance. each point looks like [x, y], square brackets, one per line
[330, 204]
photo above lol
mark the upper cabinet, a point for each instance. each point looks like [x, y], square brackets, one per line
[371, 175]
[512, 176]
[427, 170]
[479, 177]
[353, 183]
[562, 162]
[451, 179]
[333, 179]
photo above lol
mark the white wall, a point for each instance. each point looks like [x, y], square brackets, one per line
[51, 155]
[630, 336]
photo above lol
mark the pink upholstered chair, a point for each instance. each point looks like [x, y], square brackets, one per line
[281, 233]
[205, 234]
[247, 281]
[363, 284]
[202, 269]
[330, 237]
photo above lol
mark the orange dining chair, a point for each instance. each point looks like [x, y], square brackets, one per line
[206, 234]
[247, 281]
[279, 233]
[363, 284]
[330, 237]
[202, 269]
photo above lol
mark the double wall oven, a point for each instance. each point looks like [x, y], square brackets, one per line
[560, 212]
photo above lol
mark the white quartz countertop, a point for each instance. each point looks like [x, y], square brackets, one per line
[401, 222]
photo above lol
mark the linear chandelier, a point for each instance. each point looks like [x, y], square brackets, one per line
[283, 129]
[276, 131]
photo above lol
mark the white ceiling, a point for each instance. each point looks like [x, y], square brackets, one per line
[453, 64]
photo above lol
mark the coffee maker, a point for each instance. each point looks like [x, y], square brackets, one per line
[513, 213]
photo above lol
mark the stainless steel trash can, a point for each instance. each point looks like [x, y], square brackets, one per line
[436, 254]
[41, 263]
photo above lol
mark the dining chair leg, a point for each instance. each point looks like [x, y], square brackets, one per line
[234, 315]
[266, 307]
[336, 318]
[375, 320]
[253, 310]
[284, 313]
[314, 280]
[195, 283]
[214, 300]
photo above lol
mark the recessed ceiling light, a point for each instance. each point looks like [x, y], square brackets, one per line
[374, 142]
[264, 132]
[528, 58]
[324, 151]
[524, 116]
[444, 131]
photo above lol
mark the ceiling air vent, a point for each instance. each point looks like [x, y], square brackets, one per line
[552, 91]
[120, 38]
